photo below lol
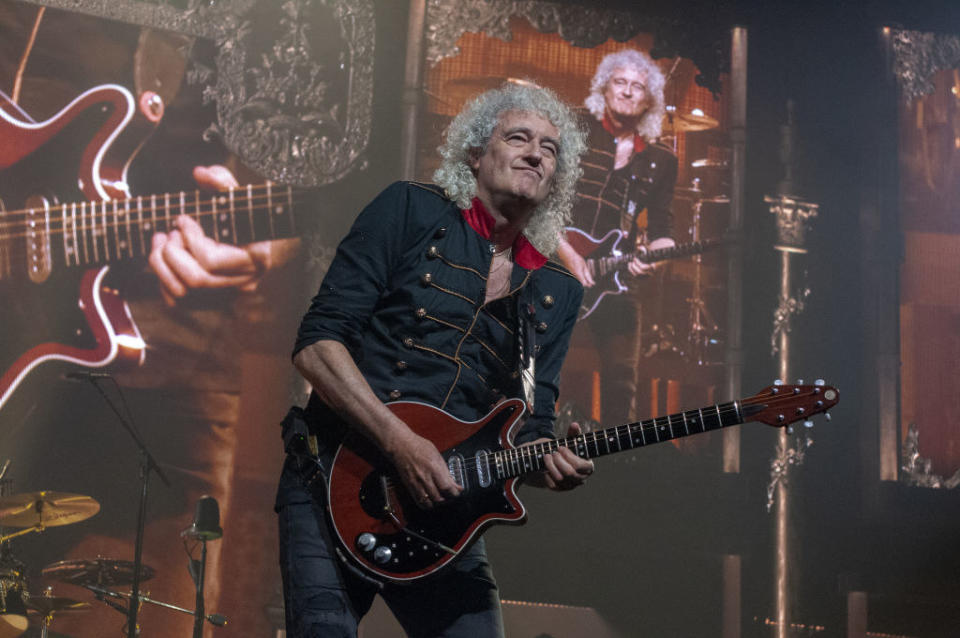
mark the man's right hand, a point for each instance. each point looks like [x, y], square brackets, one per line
[423, 471]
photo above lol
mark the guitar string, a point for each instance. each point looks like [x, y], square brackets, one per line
[149, 204]
[516, 456]
[208, 195]
[123, 218]
[23, 217]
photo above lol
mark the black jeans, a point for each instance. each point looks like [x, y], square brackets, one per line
[323, 598]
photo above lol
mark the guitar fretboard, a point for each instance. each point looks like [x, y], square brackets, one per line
[520, 461]
[603, 265]
[91, 233]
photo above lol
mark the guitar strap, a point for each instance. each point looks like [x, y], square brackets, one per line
[527, 342]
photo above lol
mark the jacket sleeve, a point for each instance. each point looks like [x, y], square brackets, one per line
[359, 273]
[659, 213]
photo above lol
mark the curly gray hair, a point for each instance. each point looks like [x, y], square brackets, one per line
[649, 125]
[471, 130]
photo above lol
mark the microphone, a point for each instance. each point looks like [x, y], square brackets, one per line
[83, 375]
[206, 521]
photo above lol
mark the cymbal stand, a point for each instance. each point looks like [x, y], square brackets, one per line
[23, 532]
[701, 321]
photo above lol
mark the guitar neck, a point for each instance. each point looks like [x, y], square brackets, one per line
[604, 265]
[91, 233]
[524, 460]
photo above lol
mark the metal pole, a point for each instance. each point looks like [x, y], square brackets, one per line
[412, 89]
[792, 220]
[731, 621]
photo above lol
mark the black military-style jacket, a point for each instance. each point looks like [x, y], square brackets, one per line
[405, 294]
[608, 198]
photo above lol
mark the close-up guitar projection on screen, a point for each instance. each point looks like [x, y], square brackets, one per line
[479, 319]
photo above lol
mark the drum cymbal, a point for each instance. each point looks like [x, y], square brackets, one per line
[689, 122]
[697, 194]
[99, 571]
[45, 605]
[46, 509]
[709, 163]
[12, 625]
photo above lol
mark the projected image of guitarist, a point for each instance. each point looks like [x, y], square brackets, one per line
[71, 116]
[625, 171]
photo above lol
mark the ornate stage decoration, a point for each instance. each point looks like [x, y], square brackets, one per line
[787, 456]
[293, 83]
[793, 217]
[916, 470]
[447, 20]
[918, 56]
[788, 308]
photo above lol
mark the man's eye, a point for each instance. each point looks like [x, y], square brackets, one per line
[550, 150]
[517, 138]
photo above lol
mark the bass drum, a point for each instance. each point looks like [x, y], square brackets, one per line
[13, 608]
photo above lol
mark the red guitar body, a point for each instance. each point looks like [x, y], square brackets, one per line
[365, 497]
[51, 313]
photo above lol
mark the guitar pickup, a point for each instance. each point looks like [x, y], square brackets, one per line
[456, 469]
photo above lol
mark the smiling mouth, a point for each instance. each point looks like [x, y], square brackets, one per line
[528, 170]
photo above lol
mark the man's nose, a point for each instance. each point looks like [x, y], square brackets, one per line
[534, 155]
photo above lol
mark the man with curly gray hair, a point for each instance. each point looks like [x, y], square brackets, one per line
[441, 295]
[626, 191]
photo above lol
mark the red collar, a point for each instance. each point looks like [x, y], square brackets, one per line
[638, 142]
[524, 254]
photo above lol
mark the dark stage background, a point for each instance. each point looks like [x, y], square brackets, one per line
[640, 550]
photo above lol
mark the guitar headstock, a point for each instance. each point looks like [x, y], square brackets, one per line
[781, 404]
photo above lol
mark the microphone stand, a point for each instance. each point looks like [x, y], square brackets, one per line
[200, 610]
[147, 463]
[101, 594]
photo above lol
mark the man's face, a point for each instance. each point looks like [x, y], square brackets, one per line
[626, 93]
[519, 161]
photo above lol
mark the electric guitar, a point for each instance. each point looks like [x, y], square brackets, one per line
[381, 530]
[55, 253]
[606, 259]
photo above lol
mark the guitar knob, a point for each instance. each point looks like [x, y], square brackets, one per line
[366, 541]
[382, 554]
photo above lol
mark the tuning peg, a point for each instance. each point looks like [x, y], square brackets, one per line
[819, 383]
[799, 381]
[789, 429]
[808, 424]
[827, 416]
[777, 382]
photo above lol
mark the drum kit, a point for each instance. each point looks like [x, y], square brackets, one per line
[707, 205]
[34, 512]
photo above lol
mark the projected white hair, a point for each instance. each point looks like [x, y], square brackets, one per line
[649, 125]
[470, 131]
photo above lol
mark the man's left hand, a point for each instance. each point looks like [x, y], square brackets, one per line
[564, 469]
[639, 268]
[185, 258]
